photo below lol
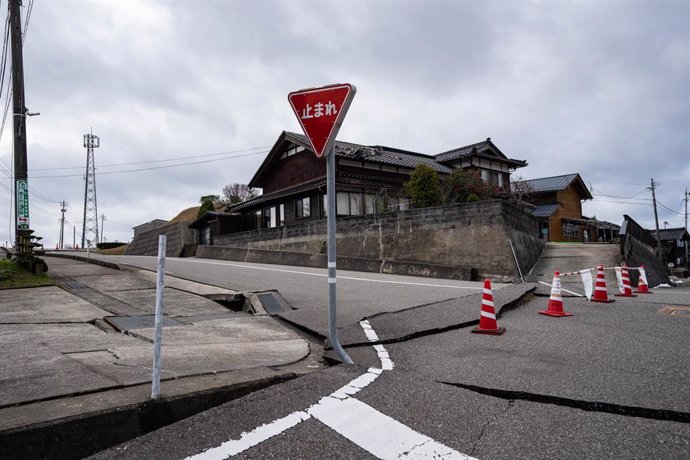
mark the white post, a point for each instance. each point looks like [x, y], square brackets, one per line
[158, 323]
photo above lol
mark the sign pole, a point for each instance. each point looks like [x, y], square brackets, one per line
[330, 221]
[320, 112]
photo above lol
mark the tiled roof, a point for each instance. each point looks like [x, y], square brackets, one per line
[382, 155]
[548, 184]
[671, 234]
[463, 151]
[553, 184]
[544, 210]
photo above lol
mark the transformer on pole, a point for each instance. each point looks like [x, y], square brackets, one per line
[89, 234]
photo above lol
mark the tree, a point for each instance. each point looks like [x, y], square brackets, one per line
[424, 187]
[464, 185]
[208, 203]
[237, 193]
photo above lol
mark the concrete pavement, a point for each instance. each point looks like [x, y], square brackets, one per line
[62, 366]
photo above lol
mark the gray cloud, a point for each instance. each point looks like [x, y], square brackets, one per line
[598, 88]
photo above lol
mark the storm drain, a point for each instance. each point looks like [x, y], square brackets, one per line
[128, 323]
[272, 304]
[73, 285]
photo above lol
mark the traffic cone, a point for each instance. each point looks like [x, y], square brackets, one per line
[487, 320]
[600, 294]
[642, 287]
[555, 307]
[627, 290]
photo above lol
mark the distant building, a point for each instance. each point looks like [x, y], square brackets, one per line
[557, 204]
[369, 179]
[673, 241]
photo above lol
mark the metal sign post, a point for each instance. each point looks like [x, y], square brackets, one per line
[158, 321]
[320, 112]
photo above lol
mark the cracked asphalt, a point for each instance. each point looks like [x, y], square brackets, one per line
[608, 382]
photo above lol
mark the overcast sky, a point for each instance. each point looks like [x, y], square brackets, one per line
[601, 88]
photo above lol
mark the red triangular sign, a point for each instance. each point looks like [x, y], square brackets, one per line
[320, 112]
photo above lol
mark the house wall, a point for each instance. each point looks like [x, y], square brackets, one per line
[293, 170]
[571, 207]
[473, 235]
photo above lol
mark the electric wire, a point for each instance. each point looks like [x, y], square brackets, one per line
[263, 150]
[151, 168]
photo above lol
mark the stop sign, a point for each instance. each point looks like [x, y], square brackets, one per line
[320, 112]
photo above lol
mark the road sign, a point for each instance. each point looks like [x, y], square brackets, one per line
[320, 112]
[22, 204]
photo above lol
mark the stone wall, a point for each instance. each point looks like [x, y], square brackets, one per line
[473, 235]
[178, 236]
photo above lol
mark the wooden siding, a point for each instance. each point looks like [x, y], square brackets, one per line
[571, 208]
[293, 170]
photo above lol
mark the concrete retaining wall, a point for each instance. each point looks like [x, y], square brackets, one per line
[146, 243]
[638, 248]
[473, 235]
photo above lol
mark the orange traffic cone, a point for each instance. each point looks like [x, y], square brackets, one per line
[642, 287]
[555, 307]
[487, 320]
[627, 290]
[600, 294]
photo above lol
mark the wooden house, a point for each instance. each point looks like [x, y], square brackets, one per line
[557, 203]
[369, 179]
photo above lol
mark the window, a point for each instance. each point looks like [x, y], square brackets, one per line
[302, 208]
[291, 151]
[257, 219]
[281, 215]
[206, 235]
[267, 218]
[491, 177]
[570, 230]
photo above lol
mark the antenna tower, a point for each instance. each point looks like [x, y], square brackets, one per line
[89, 234]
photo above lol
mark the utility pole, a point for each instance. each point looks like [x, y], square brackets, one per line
[74, 237]
[22, 244]
[102, 220]
[687, 262]
[63, 209]
[656, 221]
[90, 223]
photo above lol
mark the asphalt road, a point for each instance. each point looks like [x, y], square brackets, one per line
[360, 294]
[575, 392]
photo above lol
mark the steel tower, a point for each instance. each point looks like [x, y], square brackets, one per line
[89, 234]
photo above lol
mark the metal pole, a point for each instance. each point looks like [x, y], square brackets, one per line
[656, 222]
[158, 322]
[330, 220]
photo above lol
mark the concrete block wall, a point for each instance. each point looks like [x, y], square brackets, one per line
[178, 235]
[473, 235]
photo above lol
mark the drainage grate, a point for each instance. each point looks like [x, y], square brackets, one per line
[72, 285]
[272, 304]
[127, 323]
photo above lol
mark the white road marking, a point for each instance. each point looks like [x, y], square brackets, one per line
[358, 422]
[378, 433]
[353, 278]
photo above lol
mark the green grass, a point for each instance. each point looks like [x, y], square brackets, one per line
[12, 277]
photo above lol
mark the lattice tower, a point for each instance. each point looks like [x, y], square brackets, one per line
[89, 234]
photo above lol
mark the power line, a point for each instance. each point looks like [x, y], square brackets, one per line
[152, 168]
[263, 150]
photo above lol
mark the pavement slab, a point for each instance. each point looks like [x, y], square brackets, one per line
[432, 318]
[64, 338]
[48, 304]
[41, 372]
[624, 353]
[175, 303]
[116, 281]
